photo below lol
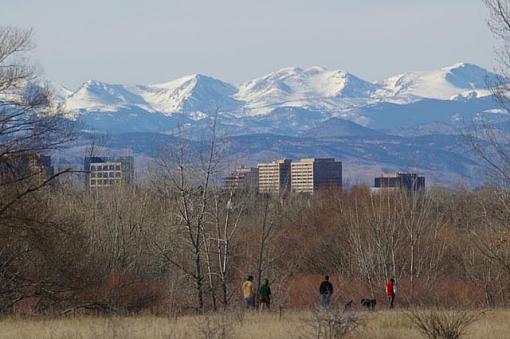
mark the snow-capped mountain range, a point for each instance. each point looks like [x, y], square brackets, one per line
[412, 121]
[298, 98]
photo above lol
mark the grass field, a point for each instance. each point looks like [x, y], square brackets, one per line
[383, 324]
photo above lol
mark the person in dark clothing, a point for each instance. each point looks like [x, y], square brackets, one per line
[326, 291]
[265, 295]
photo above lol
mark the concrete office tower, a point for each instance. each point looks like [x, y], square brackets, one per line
[24, 166]
[105, 171]
[274, 177]
[407, 181]
[243, 178]
[311, 175]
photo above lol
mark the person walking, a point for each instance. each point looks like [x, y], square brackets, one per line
[391, 290]
[326, 291]
[249, 292]
[265, 295]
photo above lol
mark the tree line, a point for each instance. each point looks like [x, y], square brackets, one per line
[181, 244]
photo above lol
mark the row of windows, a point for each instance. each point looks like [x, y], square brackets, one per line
[105, 167]
[261, 190]
[105, 174]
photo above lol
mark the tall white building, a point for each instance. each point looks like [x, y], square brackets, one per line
[311, 175]
[274, 177]
[104, 172]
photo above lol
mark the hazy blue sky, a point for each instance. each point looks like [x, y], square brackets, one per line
[147, 41]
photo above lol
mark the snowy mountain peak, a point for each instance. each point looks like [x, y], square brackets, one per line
[93, 83]
[464, 65]
[190, 79]
[444, 83]
[469, 76]
[297, 87]
[191, 93]
[315, 69]
[97, 95]
[313, 90]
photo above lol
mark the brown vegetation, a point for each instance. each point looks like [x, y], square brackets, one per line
[376, 325]
[182, 245]
[124, 251]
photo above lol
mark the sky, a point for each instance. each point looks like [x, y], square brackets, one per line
[151, 41]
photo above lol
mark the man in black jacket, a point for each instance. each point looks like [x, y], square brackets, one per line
[326, 291]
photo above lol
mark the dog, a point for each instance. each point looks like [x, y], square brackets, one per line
[369, 303]
[348, 305]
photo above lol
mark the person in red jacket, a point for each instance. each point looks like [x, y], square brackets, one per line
[391, 289]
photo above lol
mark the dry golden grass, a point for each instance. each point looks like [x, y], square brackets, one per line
[378, 325]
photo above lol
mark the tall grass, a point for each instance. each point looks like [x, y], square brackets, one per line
[292, 324]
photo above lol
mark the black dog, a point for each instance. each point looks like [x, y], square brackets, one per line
[369, 303]
[348, 305]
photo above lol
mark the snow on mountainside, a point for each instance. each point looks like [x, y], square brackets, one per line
[97, 95]
[193, 93]
[60, 93]
[294, 87]
[292, 98]
[461, 79]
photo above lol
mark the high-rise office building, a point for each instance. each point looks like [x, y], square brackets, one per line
[311, 175]
[106, 171]
[25, 166]
[243, 178]
[274, 177]
[407, 181]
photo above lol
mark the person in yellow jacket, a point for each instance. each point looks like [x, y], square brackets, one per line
[248, 291]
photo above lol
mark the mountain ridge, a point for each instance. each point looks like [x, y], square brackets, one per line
[294, 98]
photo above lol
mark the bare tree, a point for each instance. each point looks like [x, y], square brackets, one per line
[375, 236]
[228, 207]
[493, 147]
[30, 124]
[499, 23]
[29, 121]
[266, 229]
[422, 224]
[187, 178]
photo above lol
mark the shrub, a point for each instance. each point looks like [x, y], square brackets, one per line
[331, 324]
[443, 324]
